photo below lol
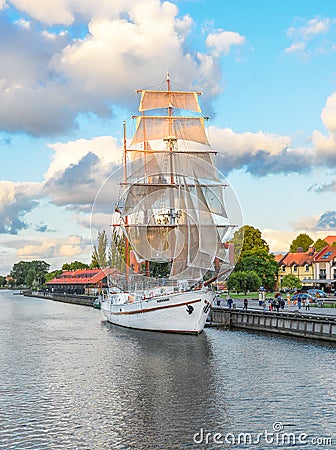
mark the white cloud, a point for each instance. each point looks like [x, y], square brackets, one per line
[222, 41]
[328, 114]
[307, 224]
[280, 241]
[23, 23]
[238, 144]
[43, 71]
[65, 12]
[308, 29]
[297, 47]
[314, 27]
[106, 148]
[325, 144]
[16, 199]
[309, 33]
[153, 37]
[41, 10]
[53, 248]
[79, 169]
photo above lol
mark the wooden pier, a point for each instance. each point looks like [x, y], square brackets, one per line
[309, 326]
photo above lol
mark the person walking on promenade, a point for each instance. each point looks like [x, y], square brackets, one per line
[245, 304]
[307, 304]
[299, 302]
[229, 302]
[274, 304]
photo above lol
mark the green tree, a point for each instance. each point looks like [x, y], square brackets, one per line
[41, 268]
[248, 238]
[31, 277]
[20, 271]
[319, 245]
[290, 281]
[99, 258]
[11, 282]
[301, 241]
[74, 265]
[263, 263]
[49, 276]
[116, 250]
[243, 281]
[3, 281]
[253, 239]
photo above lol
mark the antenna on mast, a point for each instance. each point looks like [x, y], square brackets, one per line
[168, 81]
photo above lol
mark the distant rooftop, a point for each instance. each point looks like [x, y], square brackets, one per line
[330, 239]
[83, 276]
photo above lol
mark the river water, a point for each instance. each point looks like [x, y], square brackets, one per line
[69, 380]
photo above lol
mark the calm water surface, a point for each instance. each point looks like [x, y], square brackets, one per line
[69, 380]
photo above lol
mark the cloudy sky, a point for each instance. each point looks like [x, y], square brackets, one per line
[68, 73]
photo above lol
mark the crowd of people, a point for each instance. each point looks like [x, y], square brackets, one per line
[275, 304]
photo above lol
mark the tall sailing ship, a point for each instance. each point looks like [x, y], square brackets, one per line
[171, 211]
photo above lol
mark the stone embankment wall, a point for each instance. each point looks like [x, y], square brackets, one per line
[84, 300]
[290, 324]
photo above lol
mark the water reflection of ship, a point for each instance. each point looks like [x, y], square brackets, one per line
[169, 388]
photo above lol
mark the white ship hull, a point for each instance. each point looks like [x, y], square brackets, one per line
[182, 312]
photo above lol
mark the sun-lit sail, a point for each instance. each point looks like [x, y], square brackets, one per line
[172, 207]
[169, 99]
[150, 128]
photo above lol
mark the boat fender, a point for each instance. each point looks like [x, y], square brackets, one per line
[190, 309]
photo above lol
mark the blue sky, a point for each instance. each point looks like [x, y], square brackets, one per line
[68, 74]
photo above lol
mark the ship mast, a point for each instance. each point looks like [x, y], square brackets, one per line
[127, 254]
[171, 144]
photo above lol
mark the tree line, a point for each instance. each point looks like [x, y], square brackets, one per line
[255, 266]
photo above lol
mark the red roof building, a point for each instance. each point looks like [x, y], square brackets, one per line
[330, 240]
[325, 265]
[312, 268]
[81, 281]
[299, 264]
